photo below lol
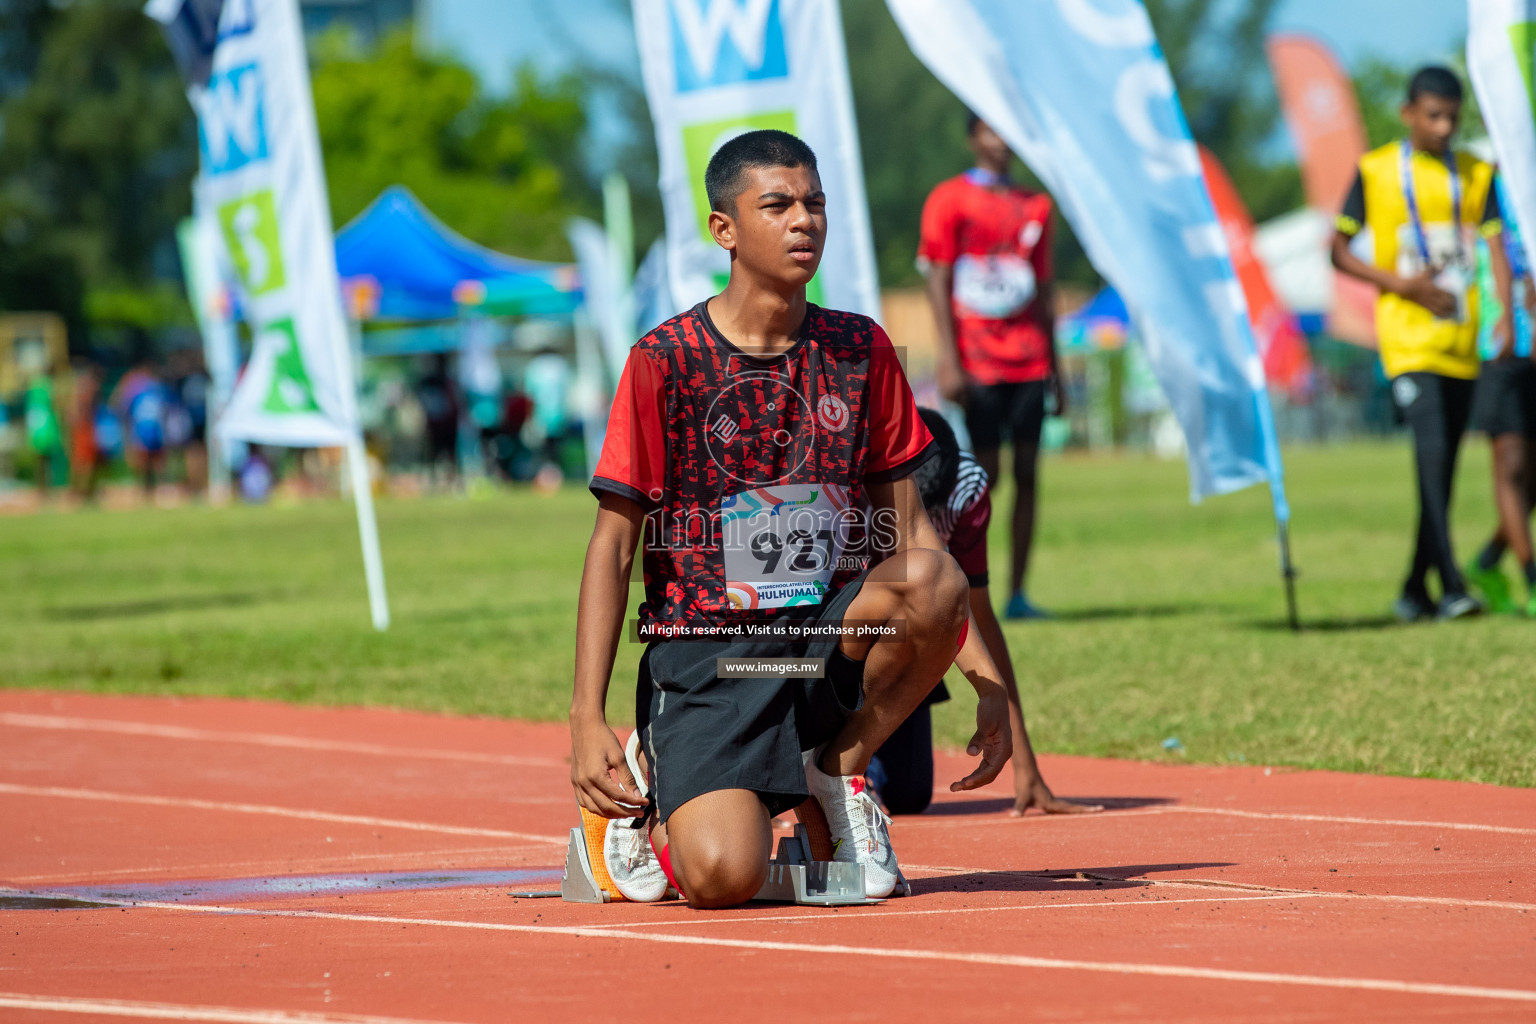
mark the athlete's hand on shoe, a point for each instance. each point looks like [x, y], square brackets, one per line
[1421, 288]
[993, 740]
[1030, 790]
[597, 758]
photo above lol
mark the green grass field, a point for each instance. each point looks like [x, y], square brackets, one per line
[1171, 617]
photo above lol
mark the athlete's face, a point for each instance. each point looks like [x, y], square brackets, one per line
[780, 224]
[989, 147]
[1432, 121]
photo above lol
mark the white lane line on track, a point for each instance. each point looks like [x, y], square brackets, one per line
[814, 916]
[177, 732]
[881, 953]
[1220, 884]
[280, 812]
[177, 1011]
[1458, 826]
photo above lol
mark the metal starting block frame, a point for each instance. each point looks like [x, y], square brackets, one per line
[792, 876]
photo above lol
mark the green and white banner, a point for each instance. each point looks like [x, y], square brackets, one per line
[262, 180]
[717, 68]
[1501, 59]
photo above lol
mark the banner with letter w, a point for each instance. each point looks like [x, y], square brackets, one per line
[1080, 90]
[262, 181]
[717, 68]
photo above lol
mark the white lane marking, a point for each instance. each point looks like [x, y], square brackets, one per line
[281, 812]
[810, 916]
[287, 865]
[1112, 814]
[878, 952]
[176, 732]
[1216, 883]
[177, 1011]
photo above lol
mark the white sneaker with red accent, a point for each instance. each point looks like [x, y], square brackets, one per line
[860, 832]
[627, 852]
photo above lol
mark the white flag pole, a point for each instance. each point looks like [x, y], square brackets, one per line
[350, 375]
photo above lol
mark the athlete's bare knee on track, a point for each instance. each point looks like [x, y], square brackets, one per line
[720, 843]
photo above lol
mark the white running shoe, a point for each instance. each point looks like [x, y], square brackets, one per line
[860, 832]
[627, 849]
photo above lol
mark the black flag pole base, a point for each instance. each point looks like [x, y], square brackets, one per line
[1288, 573]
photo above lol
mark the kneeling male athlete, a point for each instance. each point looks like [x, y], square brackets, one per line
[759, 442]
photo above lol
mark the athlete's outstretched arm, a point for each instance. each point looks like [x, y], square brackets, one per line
[1029, 788]
[992, 740]
[596, 755]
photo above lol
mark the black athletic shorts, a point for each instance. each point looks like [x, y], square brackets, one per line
[1505, 400]
[995, 413]
[703, 734]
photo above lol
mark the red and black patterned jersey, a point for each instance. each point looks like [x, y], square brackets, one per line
[753, 469]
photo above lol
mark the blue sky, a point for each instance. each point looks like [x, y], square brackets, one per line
[495, 36]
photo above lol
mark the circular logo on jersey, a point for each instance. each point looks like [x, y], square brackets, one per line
[832, 412]
[759, 430]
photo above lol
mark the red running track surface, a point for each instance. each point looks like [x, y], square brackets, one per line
[234, 861]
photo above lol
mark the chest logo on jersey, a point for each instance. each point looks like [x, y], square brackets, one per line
[725, 428]
[832, 412]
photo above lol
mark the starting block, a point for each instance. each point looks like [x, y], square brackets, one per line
[793, 877]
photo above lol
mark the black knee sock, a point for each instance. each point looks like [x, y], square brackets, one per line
[1489, 557]
[1529, 568]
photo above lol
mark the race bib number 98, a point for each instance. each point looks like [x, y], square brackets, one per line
[782, 543]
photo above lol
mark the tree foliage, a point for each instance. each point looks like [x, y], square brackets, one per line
[97, 152]
[505, 172]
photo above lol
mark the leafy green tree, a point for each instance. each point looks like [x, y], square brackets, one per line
[97, 151]
[504, 172]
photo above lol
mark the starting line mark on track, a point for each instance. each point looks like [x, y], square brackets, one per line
[281, 812]
[1457, 826]
[886, 953]
[175, 1011]
[176, 732]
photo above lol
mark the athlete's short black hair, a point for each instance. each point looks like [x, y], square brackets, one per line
[936, 476]
[1434, 80]
[972, 119]
[766, 147]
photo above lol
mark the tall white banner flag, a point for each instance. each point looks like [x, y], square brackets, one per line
[262, 179]
[1080, 90]
[717, 68]
[1501, 58]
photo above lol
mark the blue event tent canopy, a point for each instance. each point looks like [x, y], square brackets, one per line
[1101, 324]
[417, 268]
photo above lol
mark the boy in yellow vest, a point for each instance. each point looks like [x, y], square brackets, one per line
[1423, 201]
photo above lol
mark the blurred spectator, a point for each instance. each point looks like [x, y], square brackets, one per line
[547, 381]
[442, 407]
[191, 386]
[141, 399]
[42, 425]
[85, 450]
[508, 455]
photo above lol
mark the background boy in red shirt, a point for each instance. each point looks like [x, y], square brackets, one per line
[986, 247]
